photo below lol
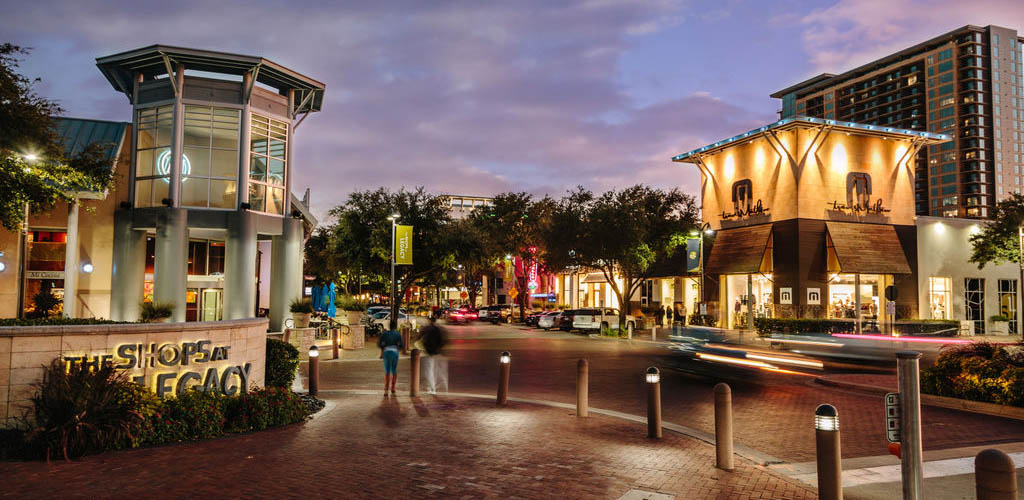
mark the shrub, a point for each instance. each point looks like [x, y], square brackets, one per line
[201, 414]
[45, 302]
[248, 412]
[350, 303]
[705, 320]
[282, 361]
[285, 406]
[999, 317]
[78, 411]
[979, 372]
[152, 311]
[767, 326]
[300, 306]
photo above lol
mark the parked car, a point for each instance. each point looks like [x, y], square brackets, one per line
[461, 315]
[597, 319]
[549, 320]
[501, 313]
[565, 319]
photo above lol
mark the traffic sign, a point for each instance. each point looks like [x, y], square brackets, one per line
[892, 417]
[890, 292]
[890, 307]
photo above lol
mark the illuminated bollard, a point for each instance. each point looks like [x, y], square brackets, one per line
[830, 467]
[653, 403]
[582, 388]
[995, 476]
[314, 370]
[723, 427]
[414, 373]
[503, 365]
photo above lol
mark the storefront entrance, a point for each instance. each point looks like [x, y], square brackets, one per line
[746, 296]
[859, 296]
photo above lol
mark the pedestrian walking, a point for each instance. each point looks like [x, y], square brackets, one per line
[659, 316]
[435, 364]
[681, 314]
[390, 343]
[668, 315]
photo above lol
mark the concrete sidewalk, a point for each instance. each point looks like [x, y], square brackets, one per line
[372, 446]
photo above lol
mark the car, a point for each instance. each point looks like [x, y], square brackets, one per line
[565, 319]
[549, 320]
[461, 315]
[382, 319]
[600, 318]
[531, 318]
[501, 313]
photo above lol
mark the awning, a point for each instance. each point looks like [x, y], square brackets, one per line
[865, 248]
[740, 250]
[594, 278]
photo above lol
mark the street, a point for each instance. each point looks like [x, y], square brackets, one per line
[773, 411]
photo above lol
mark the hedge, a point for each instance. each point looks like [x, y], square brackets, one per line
[768, 326]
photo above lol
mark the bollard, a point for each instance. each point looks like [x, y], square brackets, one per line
[503, 365]
[909, 386]
[723, 427]
[829, 456]
[405, 338]
[334, 335]
[582, 388]
[653, 403]
[995, 476]
[314, 370]
[414, 373]
[287, 334]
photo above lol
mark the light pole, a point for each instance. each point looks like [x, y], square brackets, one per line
[394, 302]
[705, 228]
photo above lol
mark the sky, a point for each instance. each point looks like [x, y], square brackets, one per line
[470, 97]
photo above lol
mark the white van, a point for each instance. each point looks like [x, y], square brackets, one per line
[598, 318]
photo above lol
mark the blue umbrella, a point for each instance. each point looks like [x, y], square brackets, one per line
[332, 309]
[315, 293]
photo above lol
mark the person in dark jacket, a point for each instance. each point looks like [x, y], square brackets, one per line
[435, 364]
[390, 344]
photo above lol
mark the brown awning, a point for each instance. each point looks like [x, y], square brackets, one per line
[594, 278]
[739, 250]
[866, 248]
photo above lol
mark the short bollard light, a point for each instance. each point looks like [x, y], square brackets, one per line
[314, 370]
[653, 403]
[829, 456]
[503, 363]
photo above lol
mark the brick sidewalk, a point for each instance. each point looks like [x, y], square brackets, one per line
[374, 447]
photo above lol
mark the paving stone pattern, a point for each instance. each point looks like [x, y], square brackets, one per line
[374, 447]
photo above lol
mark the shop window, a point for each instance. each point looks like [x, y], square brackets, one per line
[210, 157]
[974, 299]
[1008, 302]
[939, 294]
[216, 258]
[44, 271]
[268, 167]
[153, 157]
[197, 258]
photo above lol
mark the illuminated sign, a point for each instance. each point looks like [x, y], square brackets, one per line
[741, 212]
[532, 285]
[403, 245]
[857, 208]
[163, 165]
[174, 356]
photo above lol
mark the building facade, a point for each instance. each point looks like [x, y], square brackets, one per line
[967, 84]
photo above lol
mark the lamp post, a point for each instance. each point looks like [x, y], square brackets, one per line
[503, 365]
[829, 461]
[705, 228]
[653, 403]
[394, 303]
[314, 370]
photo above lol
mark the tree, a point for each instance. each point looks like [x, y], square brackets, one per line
[33, 167]
[516, 225]
[364, 234]
[625, 232]
[475, 254]
[999, 242]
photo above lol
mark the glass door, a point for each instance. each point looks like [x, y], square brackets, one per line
[213, 309]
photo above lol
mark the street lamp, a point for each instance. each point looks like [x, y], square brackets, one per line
[392, 324]
[705, 229]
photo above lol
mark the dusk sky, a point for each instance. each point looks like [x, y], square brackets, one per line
[484, 97]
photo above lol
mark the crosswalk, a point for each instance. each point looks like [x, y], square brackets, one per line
[891, 473]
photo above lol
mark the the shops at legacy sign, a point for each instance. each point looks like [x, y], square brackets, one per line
[189, 365]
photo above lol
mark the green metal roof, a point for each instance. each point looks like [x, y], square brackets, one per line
[77, 133]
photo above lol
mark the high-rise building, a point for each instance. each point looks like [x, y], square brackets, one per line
[966, 83]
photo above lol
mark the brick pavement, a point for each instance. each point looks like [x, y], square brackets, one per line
[374, 447]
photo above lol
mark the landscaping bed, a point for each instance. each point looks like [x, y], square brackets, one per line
[980, 371]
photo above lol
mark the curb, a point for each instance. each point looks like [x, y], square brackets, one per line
[991, 409]
[750, 454]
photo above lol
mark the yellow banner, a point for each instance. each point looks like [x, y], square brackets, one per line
[403, 245]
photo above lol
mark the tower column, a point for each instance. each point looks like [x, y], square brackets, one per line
[240, 266]
[129, 268]
[285, 271]
[169, 269]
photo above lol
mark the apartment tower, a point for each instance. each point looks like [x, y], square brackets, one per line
[966, 83]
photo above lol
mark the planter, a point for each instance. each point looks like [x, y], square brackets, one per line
[161, 320]
[1000, 328]
[354, 317]
[301, 320]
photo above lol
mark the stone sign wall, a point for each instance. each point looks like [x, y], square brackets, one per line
[166, 357]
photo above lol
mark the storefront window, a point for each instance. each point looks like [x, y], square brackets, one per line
[738, 300]
[842, 293]
[210, 160]
[974, 299]
[1008, 302]
[268, 164]
[44, 269]
[939, 290]
[153, 158]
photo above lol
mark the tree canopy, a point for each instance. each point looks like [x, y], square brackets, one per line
[34, 169]
[998, 242]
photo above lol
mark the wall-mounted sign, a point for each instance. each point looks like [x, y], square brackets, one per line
[692, 255]
[755, 209]
[813, 296]
[174, 357]
[858, 209]
[785, 295]
[44, 275]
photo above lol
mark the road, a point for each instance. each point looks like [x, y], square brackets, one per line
[773, 411]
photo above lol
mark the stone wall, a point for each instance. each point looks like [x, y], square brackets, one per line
[235, 351]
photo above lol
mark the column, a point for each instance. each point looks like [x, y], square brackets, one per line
[71, 260]
[240, 266]
[178, 134]
[129, 272]
[285, 271]
[169, 271]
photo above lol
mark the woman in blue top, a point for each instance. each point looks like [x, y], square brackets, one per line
[390, 343]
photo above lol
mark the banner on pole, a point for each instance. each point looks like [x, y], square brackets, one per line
[403, 245]
[692, 255]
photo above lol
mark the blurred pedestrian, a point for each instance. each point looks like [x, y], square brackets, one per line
[390, 344]
[659, 316]
[435, 364]
[668, 315]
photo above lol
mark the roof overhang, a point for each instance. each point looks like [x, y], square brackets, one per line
[151, 61]
[927, 138]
